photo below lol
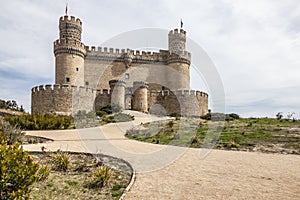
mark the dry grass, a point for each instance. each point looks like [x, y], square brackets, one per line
[74, 182]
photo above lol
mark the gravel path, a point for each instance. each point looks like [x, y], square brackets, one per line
[166, 172]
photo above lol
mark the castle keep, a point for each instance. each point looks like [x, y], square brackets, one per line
[88, 78]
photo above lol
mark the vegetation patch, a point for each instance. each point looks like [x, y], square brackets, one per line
[59, 175]
[97, 181]
[40, 121]
[247, 134]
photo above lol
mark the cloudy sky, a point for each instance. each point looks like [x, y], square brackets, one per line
[254, 44]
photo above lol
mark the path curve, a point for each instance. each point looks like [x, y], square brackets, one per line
[220, 175]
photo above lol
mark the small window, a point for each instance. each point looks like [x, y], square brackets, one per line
[77, 69]
[126, 76]
[67, 80]
[86, 83]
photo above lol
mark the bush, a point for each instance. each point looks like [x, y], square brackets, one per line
[121, 117]
[12, 133]
[118, 117]
[43, 173]
[17, 171]
[231, 117]
[234, 116]
[61, 162]
[170, 124]
[100, 177]
[100, 113]
[176, 115]
[40, 121]
[108, 109]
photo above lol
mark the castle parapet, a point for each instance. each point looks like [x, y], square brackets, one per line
[140, 84]
[69, 46]
[141, 57]
[70, 19]
[65, 99]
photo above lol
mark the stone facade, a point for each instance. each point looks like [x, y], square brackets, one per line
[88, 78]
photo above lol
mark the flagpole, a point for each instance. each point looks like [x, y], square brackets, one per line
[181, 23]
[67, 8]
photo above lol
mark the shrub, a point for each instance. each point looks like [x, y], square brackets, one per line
[234, 116]
[12, 133]
[121, 117]
[214, 116]
[43, 173]
[61, 161]
[100, 177]
[176, 115]
[100, 113]
[170, 124]
[109, 109]
[195, 140]
[17, 171]
[118, 117]
[40, 121]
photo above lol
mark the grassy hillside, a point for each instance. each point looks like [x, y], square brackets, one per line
[247, 134]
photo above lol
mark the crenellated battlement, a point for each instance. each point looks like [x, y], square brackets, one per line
[140, 84]
[70, 19]
[177, 32]
[69, 46]
[65, 42]
[92, 50]
[65, 87]
[112, 54]
[113, 83]
[178, 93]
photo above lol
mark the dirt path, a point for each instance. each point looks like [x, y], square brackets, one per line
[165, 172]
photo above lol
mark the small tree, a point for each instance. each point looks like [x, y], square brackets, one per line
[290, 115]
[279, 115]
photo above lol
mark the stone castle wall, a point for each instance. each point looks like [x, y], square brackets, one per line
[105, 64]
[184, 102]
[62, 99]
[67, 99]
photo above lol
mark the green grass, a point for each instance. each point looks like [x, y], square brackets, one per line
[239, 134]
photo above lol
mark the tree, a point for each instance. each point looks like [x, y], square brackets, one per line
[2, 104]
[290, 115]
[21, 109]
[279, 115]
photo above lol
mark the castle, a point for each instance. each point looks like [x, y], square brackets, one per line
[88, 78]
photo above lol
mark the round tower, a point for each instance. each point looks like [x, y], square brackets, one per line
[117, 91]
[179, 60]
[140, 97]
[69, 52]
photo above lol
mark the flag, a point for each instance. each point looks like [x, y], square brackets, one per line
[181, 23]
[67, 9]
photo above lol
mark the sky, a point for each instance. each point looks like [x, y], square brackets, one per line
[254, 44]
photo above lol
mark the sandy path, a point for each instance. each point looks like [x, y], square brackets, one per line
[177, 173]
